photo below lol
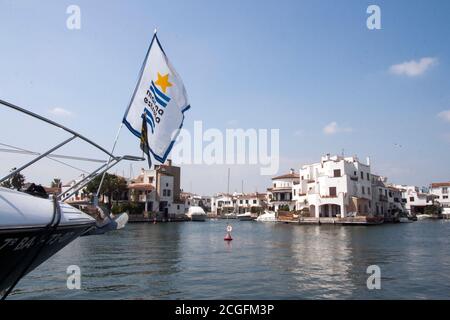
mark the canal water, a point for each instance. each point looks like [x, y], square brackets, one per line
[264, 261]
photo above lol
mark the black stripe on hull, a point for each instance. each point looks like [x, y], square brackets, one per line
[19, 246]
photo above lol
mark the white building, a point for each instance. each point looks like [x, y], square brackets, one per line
[80, 195]
[335, 187]
[222, 203]
[281, 193]
[386, 199]
[441, 192]
[252, 202]
[414, 200]
[158, 189]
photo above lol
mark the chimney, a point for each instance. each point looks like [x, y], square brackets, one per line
[368, 161]
[292, 171]
[169, 162]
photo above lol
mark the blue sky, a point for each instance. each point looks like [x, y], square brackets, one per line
[295, 65]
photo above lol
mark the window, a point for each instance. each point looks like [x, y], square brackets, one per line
[337, 173]
[362, 175]
[302, 177]
[368, 176]
[150, 179]
[240, 201]
[246, 201]
[254, 201]
[167, 184]
[178, 207]
[444, 190]
[444, 197]
[274, 185]
[363, 190]
[294, 192]
[354, 173]
[333, 191]
[368, 191]
[411, 199]
[164, 192]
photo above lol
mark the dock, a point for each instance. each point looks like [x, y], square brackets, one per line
[361, 220]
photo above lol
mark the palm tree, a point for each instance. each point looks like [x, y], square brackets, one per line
[56, 183]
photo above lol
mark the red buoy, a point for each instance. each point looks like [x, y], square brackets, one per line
[228, 237]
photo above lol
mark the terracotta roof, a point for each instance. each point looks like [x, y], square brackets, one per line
[141, 186]
[52, 190]
[440, 184]
[287, 176]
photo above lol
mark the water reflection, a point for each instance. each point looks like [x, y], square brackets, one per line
[264, 261]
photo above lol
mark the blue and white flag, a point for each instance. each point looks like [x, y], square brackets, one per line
[161, 98]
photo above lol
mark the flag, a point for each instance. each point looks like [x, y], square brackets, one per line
[144, 140]
[161, 100]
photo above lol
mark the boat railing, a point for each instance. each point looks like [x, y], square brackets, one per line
[108, 164]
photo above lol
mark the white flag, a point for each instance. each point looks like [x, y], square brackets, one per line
[161, 98]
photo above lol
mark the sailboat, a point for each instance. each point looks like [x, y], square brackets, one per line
[33, 226]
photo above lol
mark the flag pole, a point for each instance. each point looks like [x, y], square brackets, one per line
[110, 158]
[121, 124]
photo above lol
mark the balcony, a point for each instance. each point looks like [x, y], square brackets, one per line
[383, 198]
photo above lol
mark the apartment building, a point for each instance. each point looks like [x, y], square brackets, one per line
[336, 186]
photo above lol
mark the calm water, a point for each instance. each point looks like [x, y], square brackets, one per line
[264, 261]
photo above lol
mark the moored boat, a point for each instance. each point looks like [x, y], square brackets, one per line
[268, 216]
[245, 216]
[32, 229]
[423, 216]
[196, 213]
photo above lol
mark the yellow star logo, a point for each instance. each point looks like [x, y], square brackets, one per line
[163, 82]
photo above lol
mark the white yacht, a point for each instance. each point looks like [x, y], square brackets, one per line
[32, 229]
[423, 216]
[268, 216]
[247, 216]
[196, 213]
[33, 226]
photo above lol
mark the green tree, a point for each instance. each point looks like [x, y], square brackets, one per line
[112, 185]
[15, 182]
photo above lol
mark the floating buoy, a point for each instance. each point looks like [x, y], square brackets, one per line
[228, 235]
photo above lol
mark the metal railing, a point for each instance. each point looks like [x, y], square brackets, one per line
[75, 188]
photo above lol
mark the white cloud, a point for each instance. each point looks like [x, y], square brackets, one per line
[333, 128]
[413, 68]
[60, 112]
[444, 115]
